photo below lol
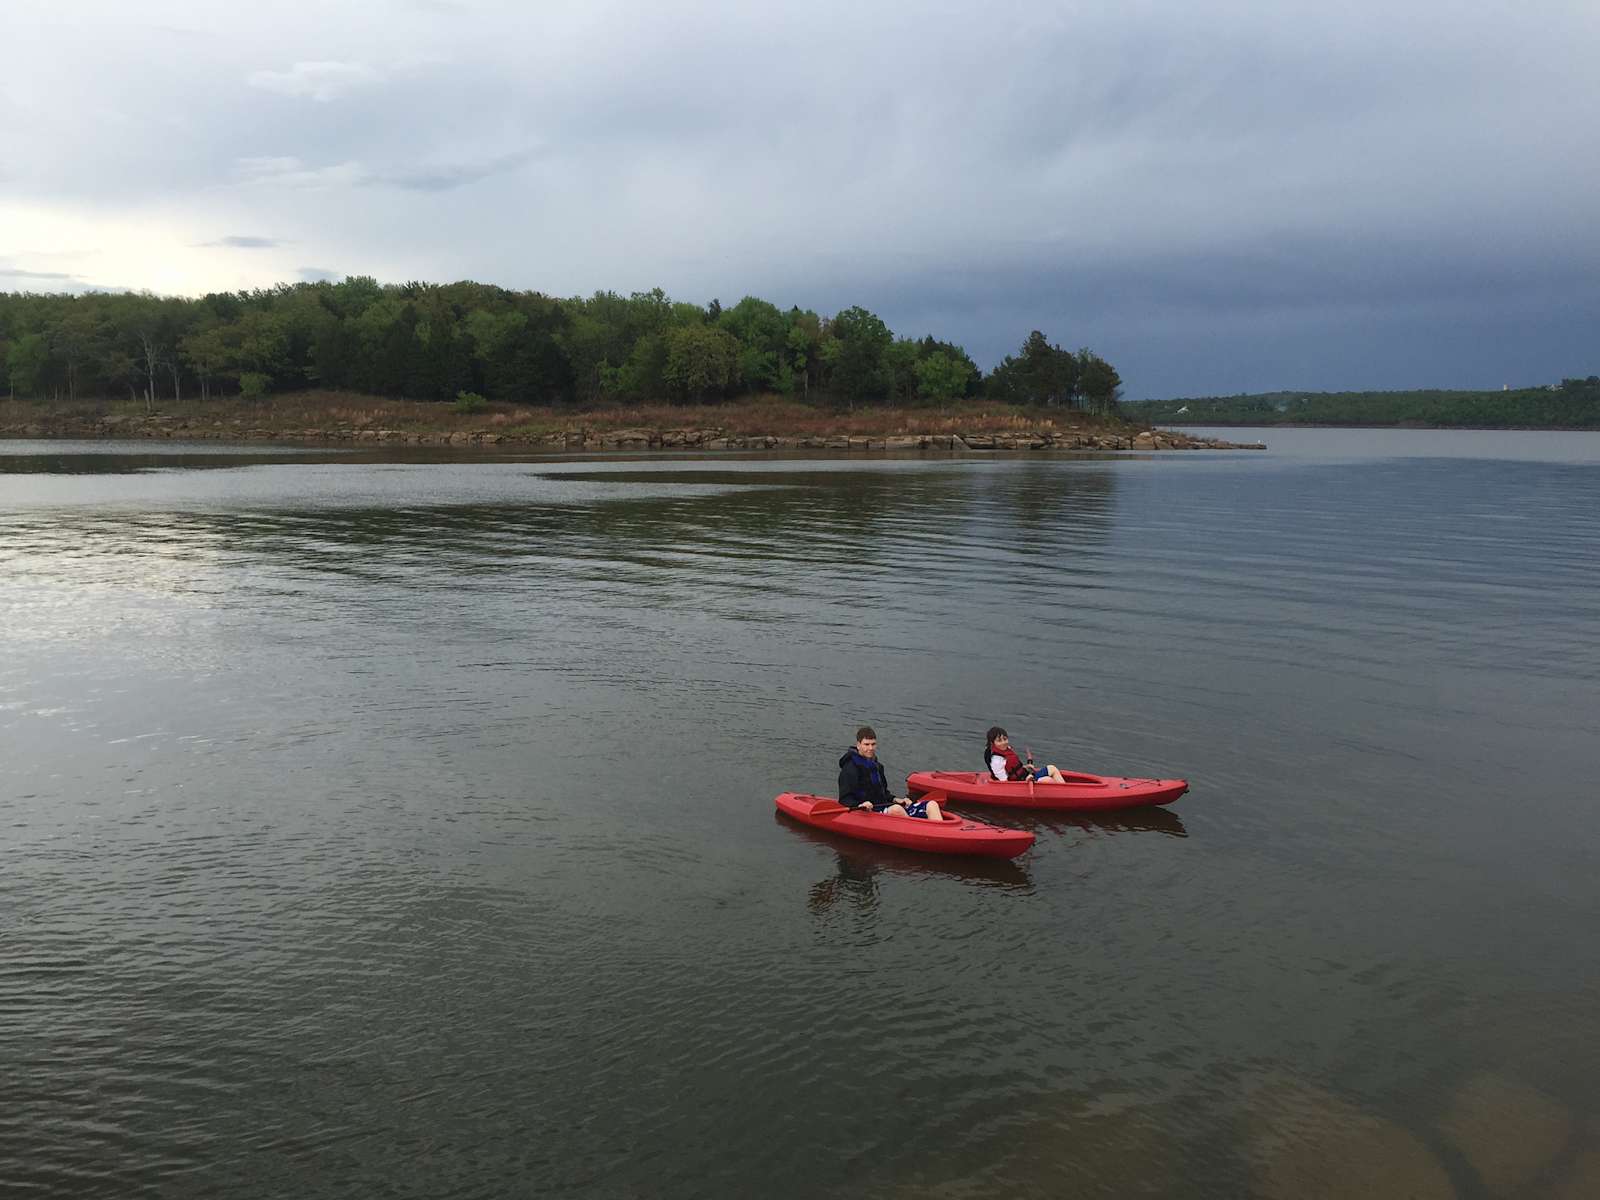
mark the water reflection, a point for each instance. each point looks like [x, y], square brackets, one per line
[679, 519]
[70, 463]
[857, 868]
[1094, 824]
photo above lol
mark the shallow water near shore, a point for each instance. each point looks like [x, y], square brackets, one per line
[388, 823]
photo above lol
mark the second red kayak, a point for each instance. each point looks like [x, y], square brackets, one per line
[952, 835]
[1080, 793]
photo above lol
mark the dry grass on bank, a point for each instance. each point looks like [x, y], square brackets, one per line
[752, 415]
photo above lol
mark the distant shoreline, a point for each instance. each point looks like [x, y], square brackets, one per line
[1568, 406]
[337, 419]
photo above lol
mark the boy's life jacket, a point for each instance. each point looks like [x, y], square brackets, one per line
[1015, 767]
[862, 779]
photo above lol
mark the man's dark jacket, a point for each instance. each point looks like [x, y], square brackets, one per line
[863, 779]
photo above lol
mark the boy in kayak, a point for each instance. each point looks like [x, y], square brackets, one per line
[863, 783]
[1004, 765]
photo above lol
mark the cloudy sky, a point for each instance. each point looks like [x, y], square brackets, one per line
[1217, 195]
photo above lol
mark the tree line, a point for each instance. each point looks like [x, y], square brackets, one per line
[427, 341]
[1571, 404]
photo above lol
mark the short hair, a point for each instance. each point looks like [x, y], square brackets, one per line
[994, 732]
[866, 731]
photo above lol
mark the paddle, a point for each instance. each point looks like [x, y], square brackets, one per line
[1029, 752]
[827, 808]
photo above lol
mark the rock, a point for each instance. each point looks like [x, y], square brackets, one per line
[1508, 1131]
[903, 442]
[977, 441]
[1304, 1143]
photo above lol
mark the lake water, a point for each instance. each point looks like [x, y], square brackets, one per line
[380, 824]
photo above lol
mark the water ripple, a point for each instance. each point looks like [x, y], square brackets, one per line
[406, 826]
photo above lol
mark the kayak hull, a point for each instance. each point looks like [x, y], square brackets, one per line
[952, 835]
[1080, 792]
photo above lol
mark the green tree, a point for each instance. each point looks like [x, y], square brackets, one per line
[900, 370]
[801, 354]
[263, 343]
[857, 372]
[701, 362]
[930, 346]
[643, 375]
[26, 363]
[1041, 374]
[762, 335]
[208, 354]
[495, 340]
[1098, 381]
[942, 378]
[80, 335]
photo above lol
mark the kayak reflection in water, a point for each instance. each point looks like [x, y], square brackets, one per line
[856, 878]
[863, 783]
[1004, 765]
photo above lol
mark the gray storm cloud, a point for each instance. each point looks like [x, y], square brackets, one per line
[1216, 195]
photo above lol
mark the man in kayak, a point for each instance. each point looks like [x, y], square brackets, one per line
[1004, 765]
[863, 783]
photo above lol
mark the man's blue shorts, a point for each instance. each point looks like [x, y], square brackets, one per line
[917, 809]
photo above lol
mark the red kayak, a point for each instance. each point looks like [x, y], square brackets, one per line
[952, 835]
[1083, 793]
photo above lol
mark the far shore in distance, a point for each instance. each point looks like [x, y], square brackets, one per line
[1571, 404]
[758, 423]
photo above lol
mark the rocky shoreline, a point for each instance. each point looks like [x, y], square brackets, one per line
[587, 439]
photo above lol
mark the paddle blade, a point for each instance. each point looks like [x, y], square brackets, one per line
[827, 808]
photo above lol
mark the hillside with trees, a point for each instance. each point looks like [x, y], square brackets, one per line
[1570, 404]
[439, 342]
